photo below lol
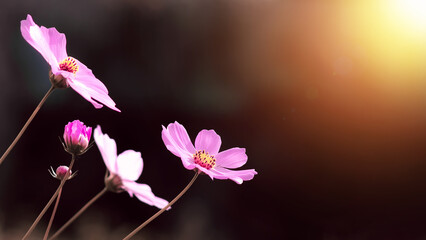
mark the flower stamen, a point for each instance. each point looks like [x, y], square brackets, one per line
[69, 64]
[204, 159]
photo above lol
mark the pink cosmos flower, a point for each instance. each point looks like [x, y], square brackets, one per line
[124, 170]
[77, 137]
[66, 71]
[205, 156]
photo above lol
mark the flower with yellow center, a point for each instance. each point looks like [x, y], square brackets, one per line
[65, 71]
[205, 155]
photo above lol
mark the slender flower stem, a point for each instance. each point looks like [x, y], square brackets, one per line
[79, 213]
[51, 200]
[163, 209]
[26, 125]
[52, 216]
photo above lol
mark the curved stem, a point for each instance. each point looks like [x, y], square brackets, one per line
[163, 209]
[26, 125]
[51, 200]
[52, 216]
[78, 213]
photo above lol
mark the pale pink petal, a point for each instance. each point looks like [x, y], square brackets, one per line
[208, 172]
[237, 176]
[57, 42]
[144, 194]
[156, 201]
[84, 92]
[209, 141]
[232, 158]
[129, 165]
[177, 141]
[185, 157]
[180, 137]
[89, 78]
[170, 143]
[188, 165]
[108, 149]
[65, 74]
[47, 41]
[90, 88]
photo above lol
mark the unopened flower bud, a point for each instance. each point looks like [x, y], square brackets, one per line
[77, 137]
[60, 173]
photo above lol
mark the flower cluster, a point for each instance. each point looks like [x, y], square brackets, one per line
[124, 169]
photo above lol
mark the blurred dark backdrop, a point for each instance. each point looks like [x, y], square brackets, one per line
[339, 155]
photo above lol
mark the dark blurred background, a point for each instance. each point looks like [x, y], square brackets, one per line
[328, 99]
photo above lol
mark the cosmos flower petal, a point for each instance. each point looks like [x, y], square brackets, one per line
[171, 144]
[90, 88]
[177, 141]
[179, 137]
[232, 158]
[57, 43]
[108, 149]
[209, 141]
[188, 165]
[129, 165]
[144, 193]
[89, 78]
[84, 92]
[208, 172]
[47, 41]
[237, 176]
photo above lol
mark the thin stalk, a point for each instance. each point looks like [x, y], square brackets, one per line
[163, 209]
[53, 215]
[51, 200]
[78, 213]
[26, 125]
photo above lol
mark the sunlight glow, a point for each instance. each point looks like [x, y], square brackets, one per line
[411, 12]
[390, 35]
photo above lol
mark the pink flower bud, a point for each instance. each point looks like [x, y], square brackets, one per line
[77, 137]
[61, 171]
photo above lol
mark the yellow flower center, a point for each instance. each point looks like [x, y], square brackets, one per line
[204, 159]
[69, 64]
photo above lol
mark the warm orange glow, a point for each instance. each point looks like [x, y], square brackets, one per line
[391, 36]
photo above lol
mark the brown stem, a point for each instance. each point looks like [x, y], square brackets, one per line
[52, 216]
[26, 125]
[163, 209]
[51, 200]
[78, 213]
